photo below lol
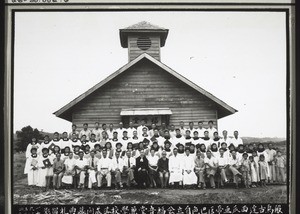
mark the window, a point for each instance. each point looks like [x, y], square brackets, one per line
[143, 43]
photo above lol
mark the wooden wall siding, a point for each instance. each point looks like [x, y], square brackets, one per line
[144, 85]
[134, 51]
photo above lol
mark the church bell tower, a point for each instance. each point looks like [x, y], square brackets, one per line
[143, 37]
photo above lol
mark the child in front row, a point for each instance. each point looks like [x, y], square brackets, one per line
[263, 170]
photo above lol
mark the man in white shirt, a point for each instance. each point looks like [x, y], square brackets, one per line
[129, 165]
[92, 169]
[97, 131]
[211, 130]
[140, 128]
[130, 129]
[225, 138]
[117, 168]
[151, 132]
[206, 140]
[179, 138]
[104, 167]
[236, 140]
[182, 128]
[191, 128]
[175, 168]
[234, 166]
[74, 131]
[222, 161]
[110, 131]
[188, 165]
[271, 162]
[153, 174]
[120, 130]
[200, 129]
[85, 131]
[81, 165]
[211, 168]
[156, 137]
[172, 131]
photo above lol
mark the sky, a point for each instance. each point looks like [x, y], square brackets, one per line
[240, 57]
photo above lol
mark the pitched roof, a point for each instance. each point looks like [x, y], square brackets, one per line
[224, 108]
[141, 28]
[144, 26]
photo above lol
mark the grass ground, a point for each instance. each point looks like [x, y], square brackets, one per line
[25, 195]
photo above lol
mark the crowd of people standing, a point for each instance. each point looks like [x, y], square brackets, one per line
[166, 157]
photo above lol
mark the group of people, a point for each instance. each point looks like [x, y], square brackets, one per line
[156, 157]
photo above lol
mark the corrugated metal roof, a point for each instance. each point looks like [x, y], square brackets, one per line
[145, 111]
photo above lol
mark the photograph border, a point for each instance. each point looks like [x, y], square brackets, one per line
[12, 9]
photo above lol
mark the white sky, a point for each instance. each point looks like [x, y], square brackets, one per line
[239, 57]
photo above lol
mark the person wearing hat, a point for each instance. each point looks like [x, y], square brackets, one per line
[69, 172]
[85, 131]
[117, 168]
[31, 168]
[92, 169]
[97, 131]
[211, 166]
[45, 172]
[81, 165]
[245, 170]
[129, 166]
[236, 140]
[120, 130]
[175, 168]
[188, 165]
[58, 171]
[32, 144]
[104, 169]
[234, 166]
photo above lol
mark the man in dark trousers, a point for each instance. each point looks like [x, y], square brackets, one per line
[141, 170]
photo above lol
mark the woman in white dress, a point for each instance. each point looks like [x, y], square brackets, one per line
[45, 166]
[31, 167]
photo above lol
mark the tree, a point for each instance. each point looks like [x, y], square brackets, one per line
[25, 136]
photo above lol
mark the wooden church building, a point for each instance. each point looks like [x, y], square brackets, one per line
[144, 88]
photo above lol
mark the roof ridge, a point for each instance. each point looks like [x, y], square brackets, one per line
[144, 25]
